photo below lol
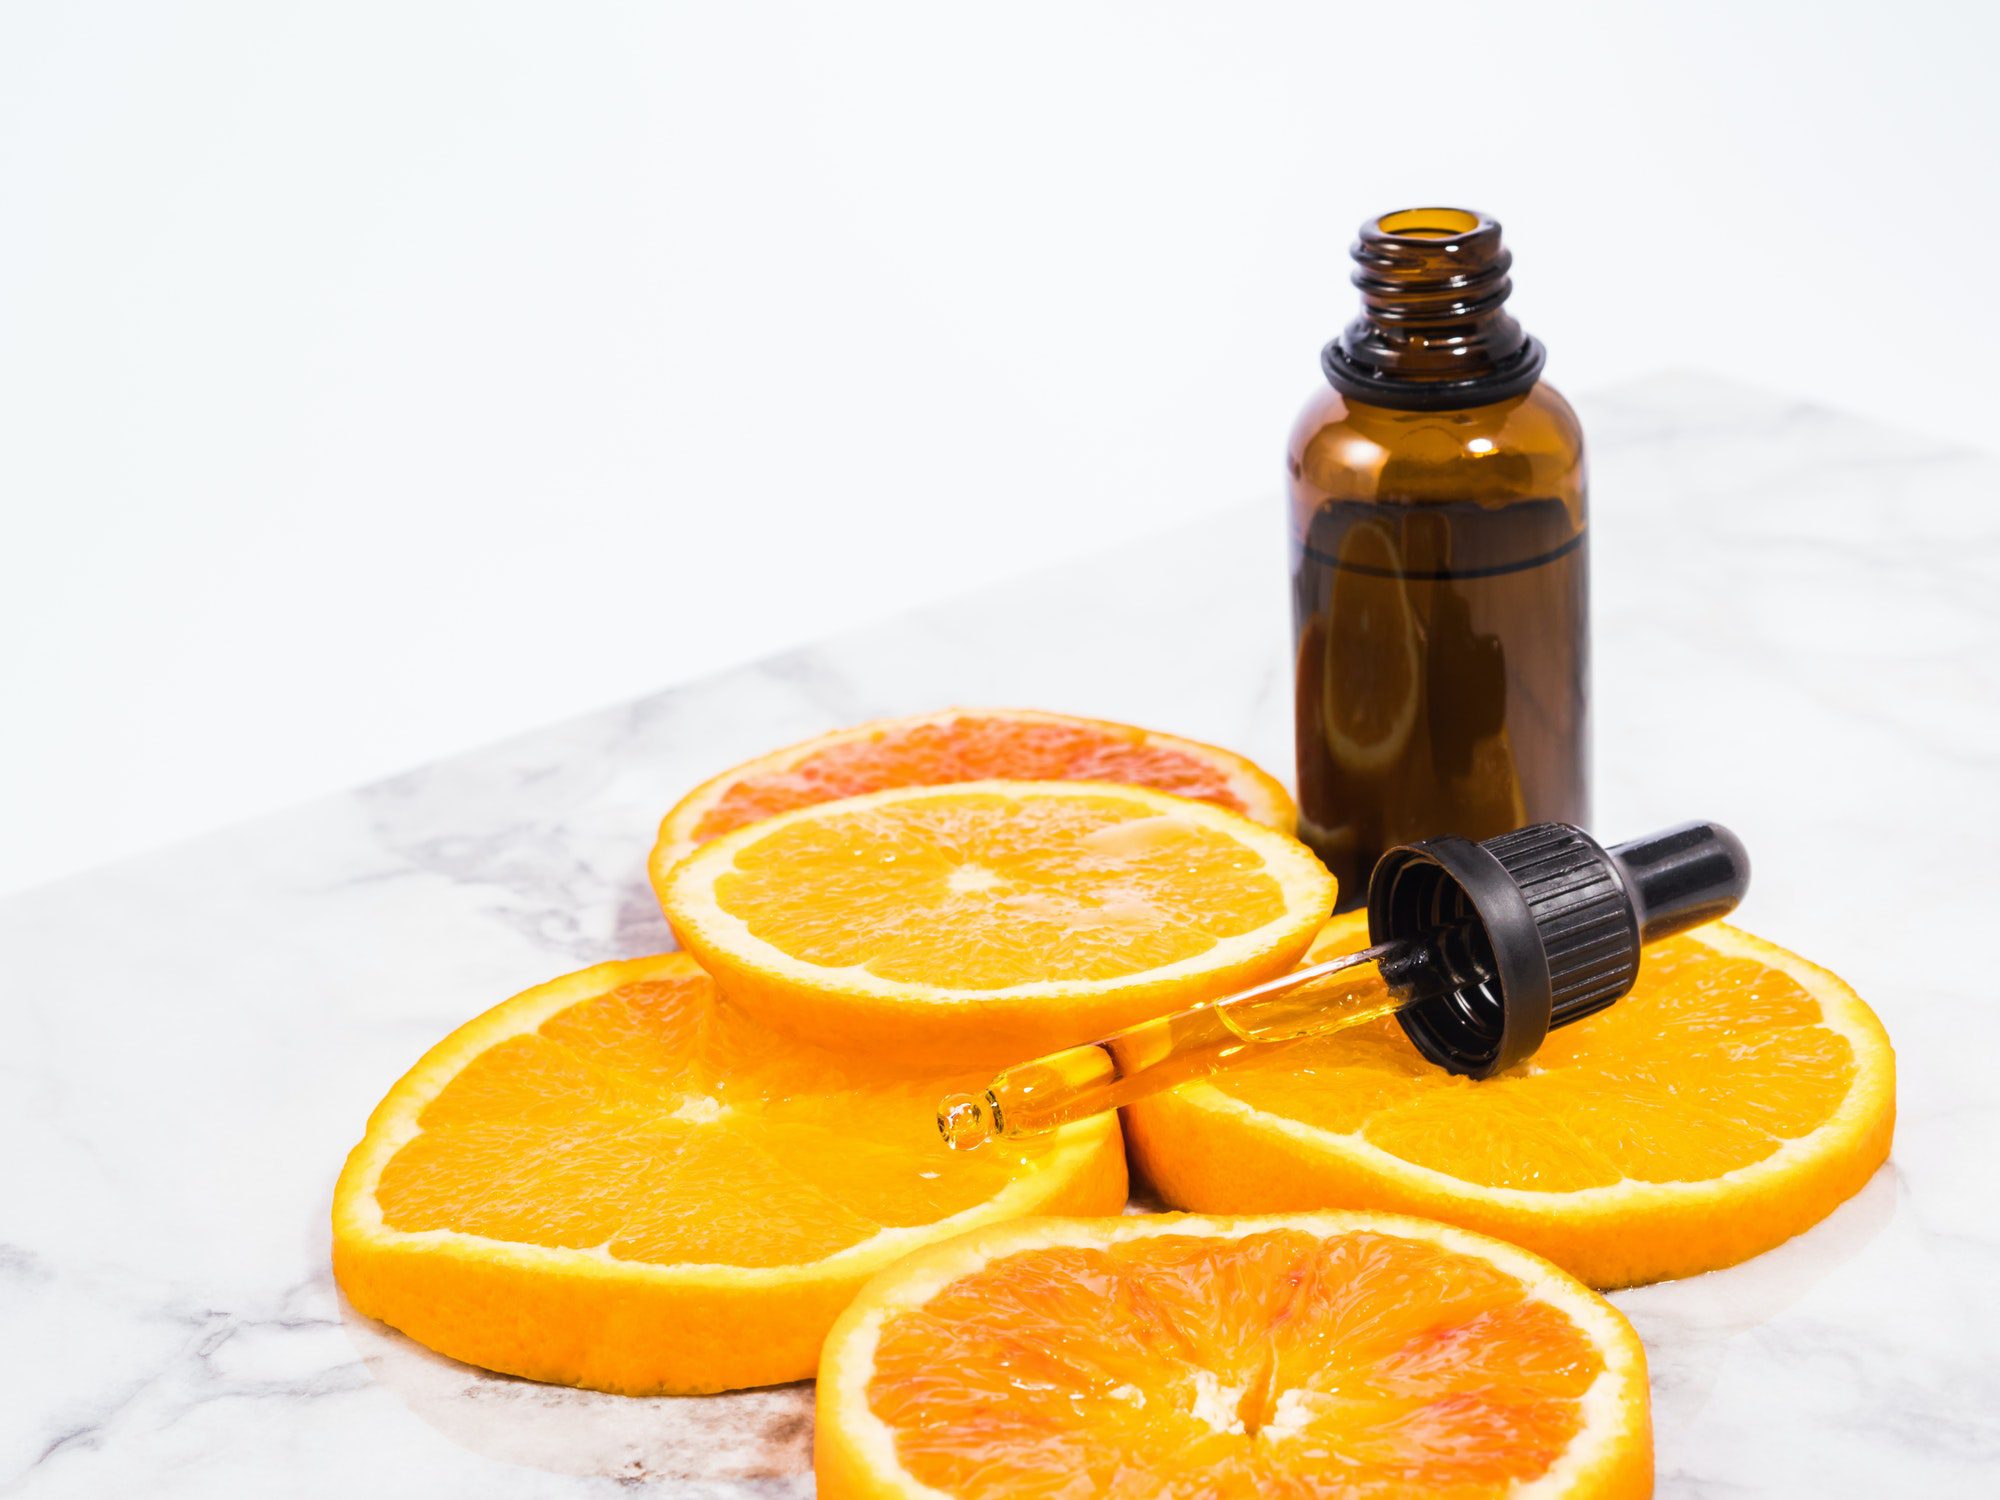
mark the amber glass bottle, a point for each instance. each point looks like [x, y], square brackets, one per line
[1440, 593]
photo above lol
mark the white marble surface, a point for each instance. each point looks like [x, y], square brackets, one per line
[1797, 632]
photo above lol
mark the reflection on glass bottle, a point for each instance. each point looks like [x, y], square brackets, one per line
[1440, 593]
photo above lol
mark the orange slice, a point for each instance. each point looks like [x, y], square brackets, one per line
[1733, 1099]
[1352, 1355]
[966, 744]
[993, 920]
[1371, 668]
[615, 1181]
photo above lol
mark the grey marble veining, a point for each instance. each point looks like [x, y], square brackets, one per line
[1797, 631]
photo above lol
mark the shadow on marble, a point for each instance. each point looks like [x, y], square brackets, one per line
[1688, 1325]
[758, 1442]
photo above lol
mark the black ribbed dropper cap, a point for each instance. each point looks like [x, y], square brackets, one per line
[1557, 921]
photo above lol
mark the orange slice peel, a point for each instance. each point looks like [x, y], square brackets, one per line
[1732, 1100]
[991, 921]
[1325, 1354]
[615, 1181]
[966, 744]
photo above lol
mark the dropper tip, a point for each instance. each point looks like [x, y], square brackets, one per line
[964, 1122]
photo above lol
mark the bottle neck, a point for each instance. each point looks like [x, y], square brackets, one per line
[1434, 331]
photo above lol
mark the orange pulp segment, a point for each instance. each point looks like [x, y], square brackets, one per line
[967, 744]
[978, 920]
[614, 1180]
[1731, 1100]
[1325, 1355]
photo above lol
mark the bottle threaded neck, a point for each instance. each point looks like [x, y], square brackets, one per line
[1434, 330]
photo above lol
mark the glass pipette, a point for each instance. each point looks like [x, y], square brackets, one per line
[1484, 948]
[1078, 1082]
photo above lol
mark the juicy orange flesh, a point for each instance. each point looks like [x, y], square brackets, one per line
[980, 891]
[1710, 1064]
[968, 747]
[1280, 1363]
[658, 1124]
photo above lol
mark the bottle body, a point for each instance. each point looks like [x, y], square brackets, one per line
[1440, 610]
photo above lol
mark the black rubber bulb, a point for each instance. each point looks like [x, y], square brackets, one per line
[1556, 921]
[1683, 876]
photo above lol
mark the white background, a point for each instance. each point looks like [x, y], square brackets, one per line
[377, 379]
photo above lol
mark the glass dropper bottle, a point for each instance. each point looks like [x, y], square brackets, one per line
[1480, 951]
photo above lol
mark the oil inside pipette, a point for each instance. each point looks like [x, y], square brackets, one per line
[1078, 1082]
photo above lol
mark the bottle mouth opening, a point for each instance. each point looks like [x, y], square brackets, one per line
[1434, 332]
[1429, 223]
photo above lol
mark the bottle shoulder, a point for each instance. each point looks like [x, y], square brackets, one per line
[1552, 409]
[1531, 445]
